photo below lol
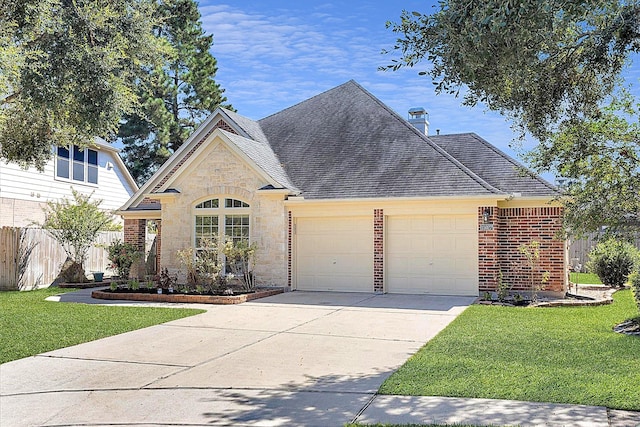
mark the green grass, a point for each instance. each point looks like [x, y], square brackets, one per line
[585, 278]
[564, 355]
[29, 325]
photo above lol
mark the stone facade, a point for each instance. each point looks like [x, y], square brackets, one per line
[501, 236]
[219, 172]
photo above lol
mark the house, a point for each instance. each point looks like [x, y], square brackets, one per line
[340, 193]
[98, 169]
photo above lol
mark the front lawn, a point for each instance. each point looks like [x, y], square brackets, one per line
[29, 325]
[564, 355]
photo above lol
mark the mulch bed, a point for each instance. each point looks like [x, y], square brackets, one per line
[184, 298]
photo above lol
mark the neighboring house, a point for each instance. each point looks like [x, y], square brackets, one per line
[98, 169]
[340, 193]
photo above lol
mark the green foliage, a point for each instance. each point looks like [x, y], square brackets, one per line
[202, 267]
[122, 256]
[634, 281]
[536, 62]
[75, 224]
[553, 68]
[67, 71]
[240, 256]
[176, 95]
[564, 355]
[600, 159]
[29, 325]
[537, 278]
[503, 288]
[613, 260]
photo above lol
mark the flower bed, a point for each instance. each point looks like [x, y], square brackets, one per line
[165, 296]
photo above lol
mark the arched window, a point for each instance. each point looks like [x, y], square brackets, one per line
[226, 217]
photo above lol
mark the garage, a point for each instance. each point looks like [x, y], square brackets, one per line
[431, 254]
[334, 254]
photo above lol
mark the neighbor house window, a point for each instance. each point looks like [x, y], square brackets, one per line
[77, 164]
[226, 217]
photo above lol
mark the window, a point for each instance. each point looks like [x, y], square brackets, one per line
[77, 164]
[215, 217]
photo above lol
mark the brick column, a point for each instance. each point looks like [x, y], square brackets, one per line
[135, 231]
[378, 250]
[158, 245]
[488, 249]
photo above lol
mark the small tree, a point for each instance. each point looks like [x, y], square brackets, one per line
[613, 260]
[240, 259]
[75, 224]
[531, 253]
[123, 255]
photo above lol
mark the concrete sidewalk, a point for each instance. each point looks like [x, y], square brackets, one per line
[300, 358]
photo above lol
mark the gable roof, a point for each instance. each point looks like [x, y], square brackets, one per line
[345, 143]
[493, 165]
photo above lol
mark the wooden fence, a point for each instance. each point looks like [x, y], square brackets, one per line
[44, 261]
[579, 250]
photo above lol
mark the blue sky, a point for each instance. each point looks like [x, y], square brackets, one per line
[274, 54]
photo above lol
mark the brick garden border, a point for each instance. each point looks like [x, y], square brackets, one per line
[182, 298]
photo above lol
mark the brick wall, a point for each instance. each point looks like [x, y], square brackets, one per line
[378, 250]
[488, 263]
[512, 228]
[135, 232]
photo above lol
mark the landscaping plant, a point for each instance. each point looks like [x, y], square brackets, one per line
[123, 256]
[75, 224]
[537, 278]
[634, 281]
[202, 265]
[613, 260]
[241, 258]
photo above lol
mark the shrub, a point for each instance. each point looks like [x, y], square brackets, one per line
[613, 260]
[241, 258]
[634, 281]
[122, 256]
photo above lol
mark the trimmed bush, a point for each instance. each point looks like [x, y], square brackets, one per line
[613, 260]
[634, 280]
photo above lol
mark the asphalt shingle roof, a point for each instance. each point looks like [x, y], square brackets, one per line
[345, 143]
[263, 156]
[493, 165]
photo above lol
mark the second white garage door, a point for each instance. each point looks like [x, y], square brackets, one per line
[334, 254]
[432, 254]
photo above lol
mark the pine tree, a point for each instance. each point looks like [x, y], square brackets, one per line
[175, 97]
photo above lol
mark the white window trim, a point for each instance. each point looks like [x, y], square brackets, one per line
[71, 162]
[221, 211]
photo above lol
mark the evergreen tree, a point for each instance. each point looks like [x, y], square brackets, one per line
[177, 96]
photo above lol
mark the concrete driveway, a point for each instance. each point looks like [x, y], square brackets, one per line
[299, 358]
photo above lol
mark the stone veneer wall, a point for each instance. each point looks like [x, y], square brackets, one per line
[220, 173]
[513, 227]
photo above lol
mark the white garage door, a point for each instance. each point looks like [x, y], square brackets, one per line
[334, 254]
[432, 254]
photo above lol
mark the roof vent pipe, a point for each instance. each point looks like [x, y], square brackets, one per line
[418, 117]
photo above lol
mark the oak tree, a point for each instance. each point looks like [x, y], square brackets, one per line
[67, 70]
